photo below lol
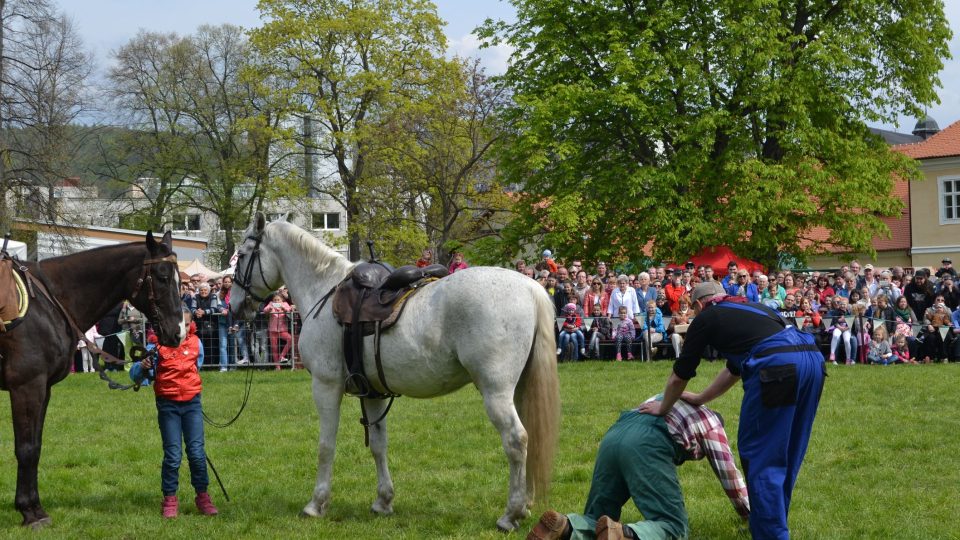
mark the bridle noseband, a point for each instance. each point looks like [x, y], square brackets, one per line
[146, 277]
[245, 281]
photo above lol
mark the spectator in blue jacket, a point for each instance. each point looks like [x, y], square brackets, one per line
[743, 287]
[651, 327]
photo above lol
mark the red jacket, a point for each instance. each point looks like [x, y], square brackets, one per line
[673, 296]
[177, 376]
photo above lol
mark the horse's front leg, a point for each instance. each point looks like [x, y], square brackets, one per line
[28, 404]
[378, 447]
[327, 397]
[503, 415]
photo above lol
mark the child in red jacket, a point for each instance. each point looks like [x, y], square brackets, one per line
[278, 327]
[177, 387]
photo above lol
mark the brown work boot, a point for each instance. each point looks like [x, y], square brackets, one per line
[608, 529]
[552, 526]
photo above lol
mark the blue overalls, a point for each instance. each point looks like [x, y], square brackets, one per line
[783, 378]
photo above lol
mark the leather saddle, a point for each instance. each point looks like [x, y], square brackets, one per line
[367, 302]
[373, 293]
[14, 300]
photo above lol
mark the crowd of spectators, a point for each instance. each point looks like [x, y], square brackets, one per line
[227, 342]
[858, 313]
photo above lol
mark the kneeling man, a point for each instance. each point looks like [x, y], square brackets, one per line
[637, 460]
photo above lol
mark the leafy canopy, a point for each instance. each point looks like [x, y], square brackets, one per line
[696, 123]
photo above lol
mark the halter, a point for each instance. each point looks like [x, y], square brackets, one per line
[245, 281]
[145, 276]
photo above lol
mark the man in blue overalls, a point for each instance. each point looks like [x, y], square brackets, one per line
[783, 374]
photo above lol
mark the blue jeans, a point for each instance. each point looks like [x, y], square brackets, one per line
[577, 337]
[238, 341]
[182, 422]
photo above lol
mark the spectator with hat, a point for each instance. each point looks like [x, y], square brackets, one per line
[548, 260]
[869, 280]
[572, 329]
[947, 269]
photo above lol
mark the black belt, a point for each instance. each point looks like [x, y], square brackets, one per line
[786, 349]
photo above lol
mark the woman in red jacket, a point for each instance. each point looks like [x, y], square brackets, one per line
[177, 388]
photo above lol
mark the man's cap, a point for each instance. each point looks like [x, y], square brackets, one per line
[946, 260]
[547, 253]
[706, 289]
[868, 267]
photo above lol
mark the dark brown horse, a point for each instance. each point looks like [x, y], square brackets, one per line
[37, 353]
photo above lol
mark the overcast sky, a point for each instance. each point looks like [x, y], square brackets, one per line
[107, 24]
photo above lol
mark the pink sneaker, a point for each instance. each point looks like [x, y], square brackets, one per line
[170, 506]
[629, 356]
[205, 505]
[619, 357]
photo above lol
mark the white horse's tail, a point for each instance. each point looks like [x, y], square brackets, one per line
[538, 401]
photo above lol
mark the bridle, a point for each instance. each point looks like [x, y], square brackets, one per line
[245, 280]
[146, 277]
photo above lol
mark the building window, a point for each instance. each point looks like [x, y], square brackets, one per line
[950, 199]
[186, 222]
[326, 221]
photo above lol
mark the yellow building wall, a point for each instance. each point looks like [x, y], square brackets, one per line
[931, 238]
[884, 259]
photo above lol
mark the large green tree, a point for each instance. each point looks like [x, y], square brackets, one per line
[705, 122]
[354, 67]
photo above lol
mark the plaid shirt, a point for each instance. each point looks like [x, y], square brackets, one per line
[699, 432]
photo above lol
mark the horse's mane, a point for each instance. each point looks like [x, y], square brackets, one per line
[313, 249]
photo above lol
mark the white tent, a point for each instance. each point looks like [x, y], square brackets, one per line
[16, 249]
[197, 267]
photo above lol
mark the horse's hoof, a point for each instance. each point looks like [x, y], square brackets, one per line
[381, 510]
[40, 523]
[504, 525]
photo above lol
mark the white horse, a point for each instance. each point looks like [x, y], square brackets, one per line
[489, 326]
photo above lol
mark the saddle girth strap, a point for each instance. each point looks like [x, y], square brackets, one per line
[34, 282]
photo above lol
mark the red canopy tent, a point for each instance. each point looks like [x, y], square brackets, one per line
[719, 256]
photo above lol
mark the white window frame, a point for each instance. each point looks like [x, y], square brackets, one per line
[183, 226]
[941, 199]
[326, 216]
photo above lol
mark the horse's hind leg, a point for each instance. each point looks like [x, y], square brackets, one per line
[378, 447]
[503, 414]
[327, 398]
[28, 404]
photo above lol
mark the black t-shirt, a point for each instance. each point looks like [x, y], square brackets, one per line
[729, 330]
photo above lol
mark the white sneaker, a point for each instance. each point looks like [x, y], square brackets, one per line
[242, 362]
[223, 369]
[283, 360]
[583, 352]
[559, 351]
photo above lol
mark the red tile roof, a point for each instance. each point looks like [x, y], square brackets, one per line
[945, 143]
[899, 227]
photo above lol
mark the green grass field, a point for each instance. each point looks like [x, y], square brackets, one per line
[883, 462]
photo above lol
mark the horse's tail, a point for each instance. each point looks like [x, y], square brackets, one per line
[538, 401]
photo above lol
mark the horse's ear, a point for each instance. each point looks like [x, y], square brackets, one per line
[285, 217]
[259, 222]
[151, 242]
[168, 240]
